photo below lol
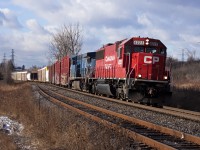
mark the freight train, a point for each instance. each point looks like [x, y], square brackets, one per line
[132, 69]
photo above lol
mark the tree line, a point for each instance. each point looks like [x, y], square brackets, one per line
[6, 69]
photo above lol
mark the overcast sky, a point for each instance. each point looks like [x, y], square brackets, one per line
[27, 25]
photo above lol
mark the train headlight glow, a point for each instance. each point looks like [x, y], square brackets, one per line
[165, 77]
[139, 75]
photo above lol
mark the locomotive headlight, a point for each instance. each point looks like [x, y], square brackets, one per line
[139, 75]
[165, 77]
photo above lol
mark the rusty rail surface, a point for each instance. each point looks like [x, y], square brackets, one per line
[192, 113]
[194, 142]
[186, 114]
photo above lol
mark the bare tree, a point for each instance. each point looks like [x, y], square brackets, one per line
[6, 69]
[191, 55]
[67, 41]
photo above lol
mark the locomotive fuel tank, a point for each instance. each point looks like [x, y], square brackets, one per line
[103, 87]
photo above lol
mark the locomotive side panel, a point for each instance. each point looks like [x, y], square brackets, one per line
[83, 66]
[88, 62]
[109, 63]
[82, 70]
[73, 62]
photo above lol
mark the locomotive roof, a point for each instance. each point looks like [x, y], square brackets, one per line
[141, 38]
[124, 41]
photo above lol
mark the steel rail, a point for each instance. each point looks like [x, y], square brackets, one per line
[186, 114]
[164, 130]
[182, 111]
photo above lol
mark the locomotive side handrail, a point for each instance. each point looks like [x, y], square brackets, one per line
[129, 74]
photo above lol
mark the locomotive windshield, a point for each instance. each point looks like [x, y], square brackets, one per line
[138, 49]
[151, 50]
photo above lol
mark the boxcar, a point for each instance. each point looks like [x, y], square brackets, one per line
[43, 74]
[65, 68]
[57, 72]
[19, 75]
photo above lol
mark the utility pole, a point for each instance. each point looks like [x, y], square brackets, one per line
[12, 57]
[4, 58]
[183, 55]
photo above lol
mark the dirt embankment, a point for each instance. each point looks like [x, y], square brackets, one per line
[49, 127]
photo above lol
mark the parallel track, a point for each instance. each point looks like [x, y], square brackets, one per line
[186, 114]
[150, 134]
[192, 114]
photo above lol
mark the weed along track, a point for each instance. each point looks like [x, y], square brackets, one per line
[149, 134]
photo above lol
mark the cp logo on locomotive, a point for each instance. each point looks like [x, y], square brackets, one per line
[151, 59]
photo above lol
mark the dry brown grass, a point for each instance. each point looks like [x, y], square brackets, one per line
[6, 142]
[5, 87]
[186, 82]
[49, 127]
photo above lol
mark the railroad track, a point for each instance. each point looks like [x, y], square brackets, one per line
[186, 114]
[192, 114]
[148, 133]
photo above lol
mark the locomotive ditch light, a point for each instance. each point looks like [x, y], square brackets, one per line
[139, 76]
[165, 77]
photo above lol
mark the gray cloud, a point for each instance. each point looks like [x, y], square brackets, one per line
[35, 27]
[2, 18]
[9, 19]
[175, 22]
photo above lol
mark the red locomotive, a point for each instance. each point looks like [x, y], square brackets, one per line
[133, 69]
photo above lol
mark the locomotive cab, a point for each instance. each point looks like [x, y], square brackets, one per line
[146, 74]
